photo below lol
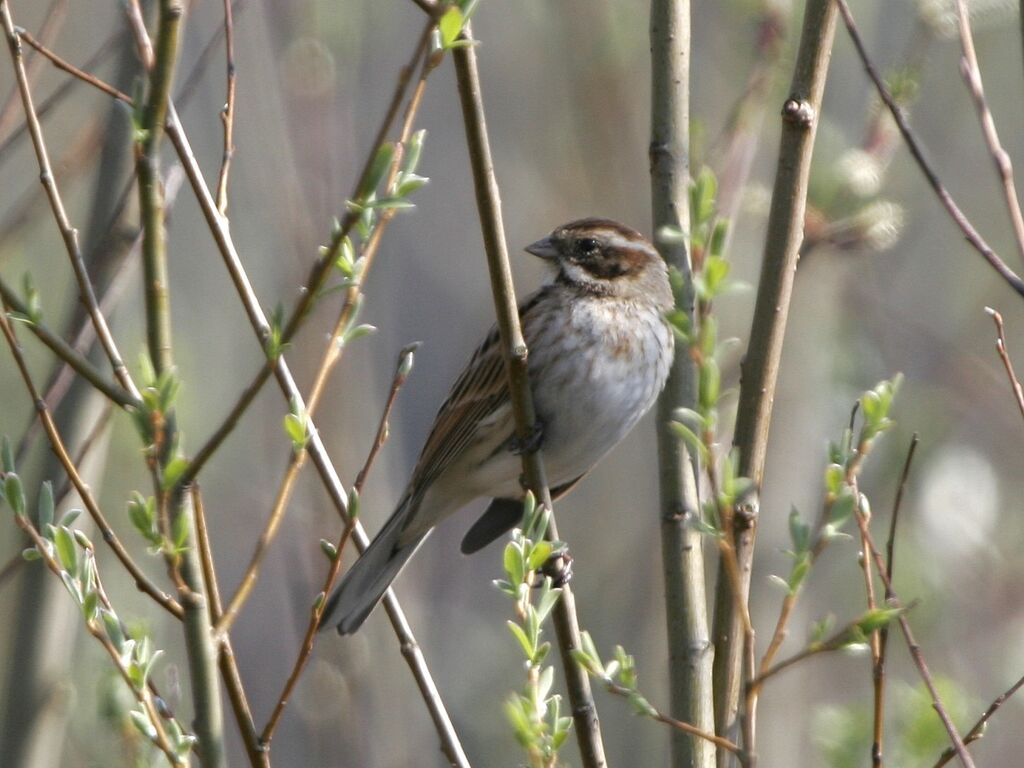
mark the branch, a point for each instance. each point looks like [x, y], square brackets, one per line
[142, 582]
[978, 730]
[200, 648]
[68, 233]
[1000, 157]
[1018, 391]
[970, 233]
[878, 726]
[514, 352]
[401, 374]
[682, 546]
[761, 366]
[321, 460]
[908, 635]
[227, 115]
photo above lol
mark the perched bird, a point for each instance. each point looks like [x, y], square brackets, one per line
[599, 353]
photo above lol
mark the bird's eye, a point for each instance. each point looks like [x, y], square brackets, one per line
[587, 246]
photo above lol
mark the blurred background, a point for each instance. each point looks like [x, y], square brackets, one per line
[889, 285]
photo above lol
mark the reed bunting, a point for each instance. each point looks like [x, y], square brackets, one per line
[600, 351]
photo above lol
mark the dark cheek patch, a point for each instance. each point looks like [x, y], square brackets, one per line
[609, 267]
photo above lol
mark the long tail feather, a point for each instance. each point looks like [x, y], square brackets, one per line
[371, 575]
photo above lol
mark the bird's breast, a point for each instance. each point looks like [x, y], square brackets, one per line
[594, 378]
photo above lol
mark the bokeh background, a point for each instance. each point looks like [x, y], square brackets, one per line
[566, 86]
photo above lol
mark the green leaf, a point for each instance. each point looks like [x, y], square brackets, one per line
[329, 549]
[44, 506]
[14, 493]
[539, 554]
[799, 531]
[173, 471]
[67, 552]
[6, 455]
[514, 563]
[524, 641]
[70, 516]
[378, 168]
[694, 443]
[450, 26]
[182, 528]
[710, 383]
[296, 427]
[877, 619]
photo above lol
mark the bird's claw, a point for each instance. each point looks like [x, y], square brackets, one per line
[558, 568]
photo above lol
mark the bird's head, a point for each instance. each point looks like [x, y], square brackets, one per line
[603, 257]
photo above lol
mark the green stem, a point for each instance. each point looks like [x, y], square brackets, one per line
[686, 612]
[761, 366]
[588, 731]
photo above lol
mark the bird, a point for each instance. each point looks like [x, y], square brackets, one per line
[600, 349]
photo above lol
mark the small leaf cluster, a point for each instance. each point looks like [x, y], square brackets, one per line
[144, 516]
[842, 498]
[450, 25]
[370, 201]
[70, 554]
[855, 636]
[33, 314]
[296, 426]
[619, 675]
[158, 396]
[698, 426]
[535, 713]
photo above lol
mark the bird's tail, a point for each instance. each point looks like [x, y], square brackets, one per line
[371, 575]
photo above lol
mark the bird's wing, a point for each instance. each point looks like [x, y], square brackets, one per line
[478, 400]
[478, 393]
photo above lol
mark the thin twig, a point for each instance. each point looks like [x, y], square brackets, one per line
[612, 687]
[514, 352]
[318, 274]
[331, 358]
[878, 725]
[75, 359]
[137, 25]
[230, 675]
[800, 118]
[142, 582]
[682, 545]
[51, 25]
[71, 69]
[68, 233]
[971, 72]
[411, 651]
[227, 115]
[978, 729]
[107, 48]
[141, 694]
[915, 649]
[401, 374]
[959, 218]
[1018, 391]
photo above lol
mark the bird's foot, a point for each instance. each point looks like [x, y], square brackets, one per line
[558, 568]
[531, 443]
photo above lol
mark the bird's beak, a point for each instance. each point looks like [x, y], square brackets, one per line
[544, 249]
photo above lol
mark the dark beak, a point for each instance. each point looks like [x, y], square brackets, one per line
[544, 249]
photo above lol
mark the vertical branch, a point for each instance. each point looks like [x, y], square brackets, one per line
[1000, 157]
[514, 352]
[761, 366]
[68, 233]
[227, 115]
[154, 239]
[199, 644]
[682, 554]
